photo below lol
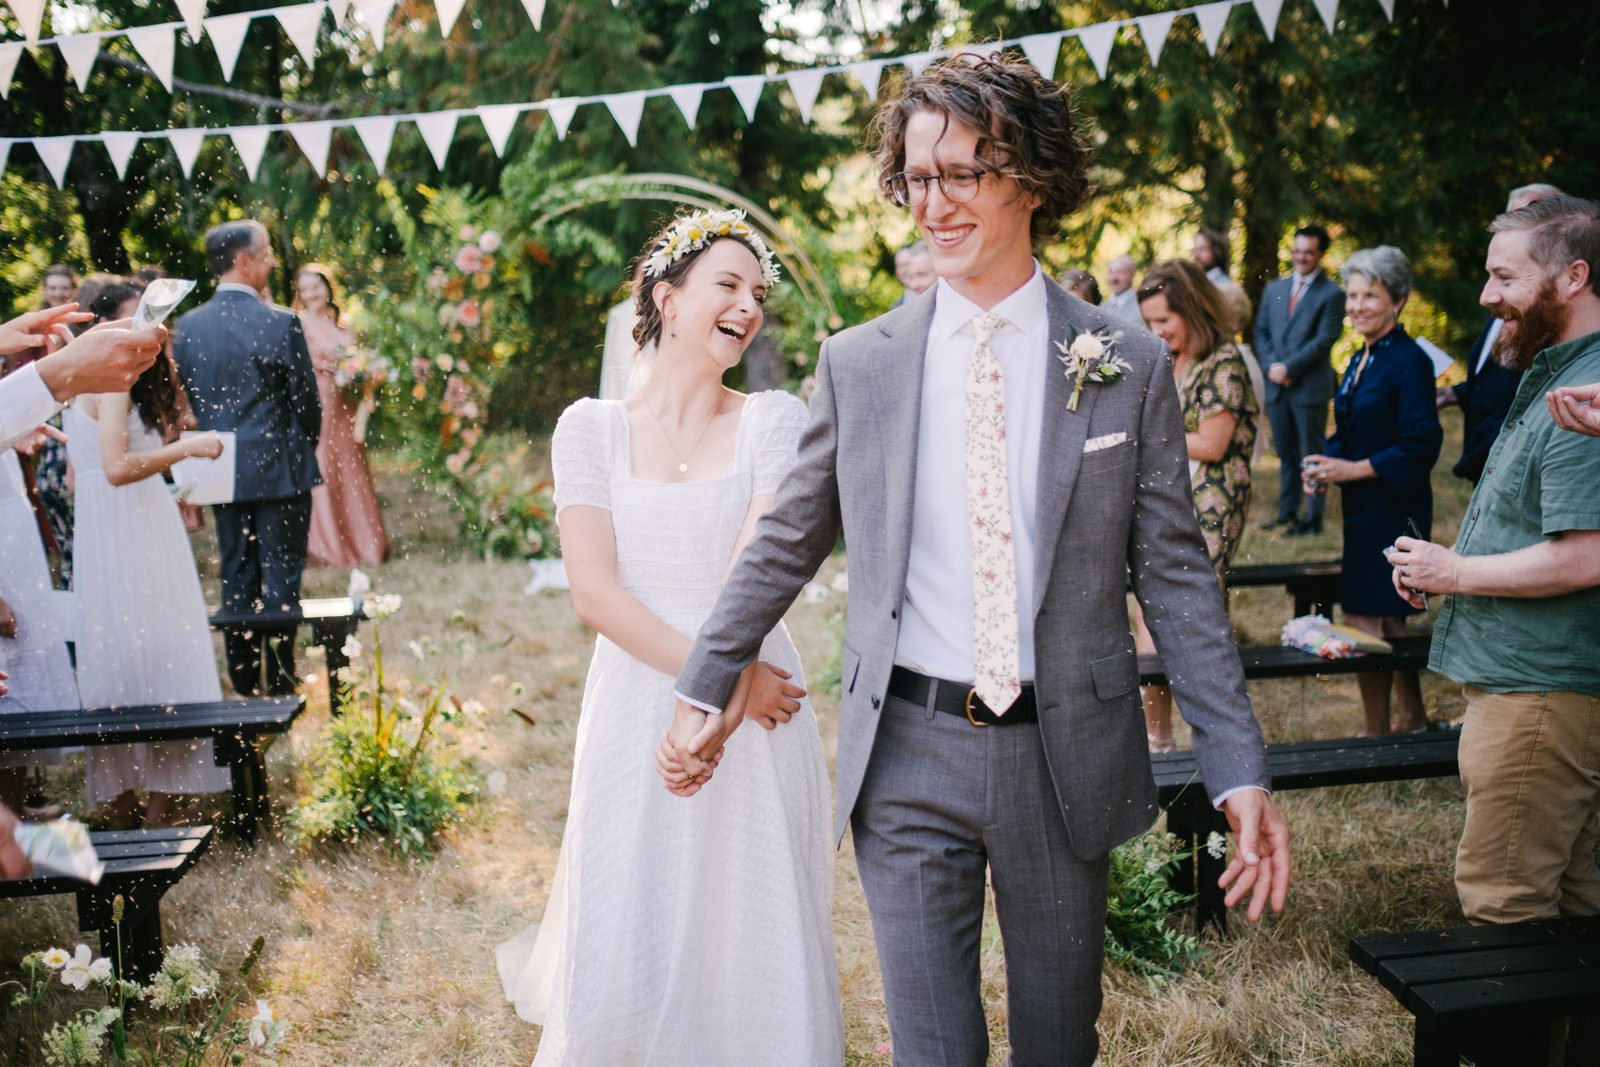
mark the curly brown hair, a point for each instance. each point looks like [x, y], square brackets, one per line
[1193, 298]
[646, 316]
[1027, 125]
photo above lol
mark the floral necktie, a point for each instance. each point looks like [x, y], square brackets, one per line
[994, 578]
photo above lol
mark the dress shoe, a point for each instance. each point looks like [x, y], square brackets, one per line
[1308, 528]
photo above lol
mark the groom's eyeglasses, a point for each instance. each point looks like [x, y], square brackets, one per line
[959, 185]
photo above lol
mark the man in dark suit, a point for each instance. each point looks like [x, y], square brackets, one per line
[247, 370]
[1301, 317]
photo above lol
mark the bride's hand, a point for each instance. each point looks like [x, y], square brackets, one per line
[678, 780]
[687, 722]
[772, 699]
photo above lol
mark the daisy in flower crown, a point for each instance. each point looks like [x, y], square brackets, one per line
[693, 232]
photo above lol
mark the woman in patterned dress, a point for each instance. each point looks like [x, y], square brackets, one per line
[1220, 408]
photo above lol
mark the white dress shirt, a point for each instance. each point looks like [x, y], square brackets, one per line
[1488, 343]
[25, 404]
[936, 618]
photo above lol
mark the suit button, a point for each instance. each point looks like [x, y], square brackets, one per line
[894, 614]
[875, 703]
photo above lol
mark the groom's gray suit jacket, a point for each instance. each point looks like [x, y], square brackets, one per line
[1122, 507]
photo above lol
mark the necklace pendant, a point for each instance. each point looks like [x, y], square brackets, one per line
[683, 468]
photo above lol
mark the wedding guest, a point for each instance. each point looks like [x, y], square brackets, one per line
[346, 522]
[914, 267]
[1386, 441]
[45, 472]
[89, 289]
[1081, 284]
[1124, 299]
[58, 286]
[1211, 251]
[1220, 409]
[144, 637]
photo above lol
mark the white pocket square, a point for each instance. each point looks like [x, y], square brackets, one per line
[1109, 440]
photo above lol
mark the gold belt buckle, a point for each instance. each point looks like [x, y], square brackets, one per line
[970, 694]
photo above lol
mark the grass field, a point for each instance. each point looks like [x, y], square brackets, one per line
[375, 960]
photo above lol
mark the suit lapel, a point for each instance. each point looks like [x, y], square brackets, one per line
[1061, 439]
[897, 366]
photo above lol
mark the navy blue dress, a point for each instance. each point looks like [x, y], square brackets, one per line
[1386, 414]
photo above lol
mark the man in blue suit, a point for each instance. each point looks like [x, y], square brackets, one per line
[247, 371]
[1301, 317]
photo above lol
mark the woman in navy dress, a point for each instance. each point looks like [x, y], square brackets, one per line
[1386, 442]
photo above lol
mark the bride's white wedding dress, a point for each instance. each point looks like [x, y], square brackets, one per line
[682, 930]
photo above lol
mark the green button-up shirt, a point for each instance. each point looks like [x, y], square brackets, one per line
[1539, 481]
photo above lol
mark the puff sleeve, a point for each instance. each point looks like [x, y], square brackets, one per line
[582, 457]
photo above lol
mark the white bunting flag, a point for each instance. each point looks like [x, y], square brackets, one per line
[1329, 10]
[1154, 29]
[5, 153]
[375, 13]
[627, 109]
[1042, 50]
[1211, 18]
[449, 11]
[687, 97]
[917, 62]
[1097, 41]
[55, 153]
[194, 15]
[805, 85]
[9, 54]
[314, 139]
[560, 112]
[747, 88]
[186, 143]
[156, 45]
[1388, 7]
[498, 122]
[535, 10]
[1269, 10]
[377, 134]
[338, 9]
[79, 50]
[437, 131]
[868, 74]
[227, 36]
[250, 142]
[302, 23]
[120, 146]
[30, 14]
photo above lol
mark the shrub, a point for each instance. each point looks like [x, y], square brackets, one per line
[1139, 932]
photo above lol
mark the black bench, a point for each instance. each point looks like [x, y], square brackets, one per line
[1279, 661]
[1314, 585]
[234, 727]
[1293, 765]
[141, 865]
[1488, 992]
[332, 620]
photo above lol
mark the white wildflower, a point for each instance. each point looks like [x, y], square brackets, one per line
[383, 606]
[352, 647]
[55, 958]
[1216, 845]
[1086, 347]
[83, 968]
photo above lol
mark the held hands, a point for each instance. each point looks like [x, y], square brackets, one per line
[680, 765]
[1422, 567]
[1260, 866]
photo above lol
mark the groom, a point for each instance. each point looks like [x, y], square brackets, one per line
[994, 510]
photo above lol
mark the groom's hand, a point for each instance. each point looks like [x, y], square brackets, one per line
[683, 771]
[1260, 864]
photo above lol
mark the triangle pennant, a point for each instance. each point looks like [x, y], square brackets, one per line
[375, 13]
[449, 11]
[55, 153]
[30, 15]
[687, 97]
[627, 109]
[535, 10]
[747, 88]
[250, 142]
[1211, 18]
[1042, 50]
[186, 143]
[437, 130]
[1329, 10]
[9, 54]
[560, 112]
[5, 153]
[868, 75]
[120, 146]
[80, 51]
[194, 15]
[302, 23]
[1154, 29]
[1388, 8]
[498, 122]
[377, 134]
[805, 85]
[156, 45]
[227, 36]
[1097, 41]
[338, 9]
[1269, 10]
[917, 62]
[313, 139]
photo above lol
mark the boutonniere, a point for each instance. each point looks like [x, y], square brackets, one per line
[1089, 358]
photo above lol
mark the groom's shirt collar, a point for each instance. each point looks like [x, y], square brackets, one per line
[1025, 308]
[238, 287]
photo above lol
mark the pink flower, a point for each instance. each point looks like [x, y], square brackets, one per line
[436, 280]
[469, 260]
[489, 243]
[468, 313]
[456, 462]
[421, 367]
[467, 233]
[456, 393]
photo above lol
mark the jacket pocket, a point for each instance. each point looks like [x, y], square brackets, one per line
[1115, 675]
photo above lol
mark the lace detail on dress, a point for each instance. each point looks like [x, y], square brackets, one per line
[779, 420]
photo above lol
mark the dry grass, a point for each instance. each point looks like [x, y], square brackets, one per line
[379, 961]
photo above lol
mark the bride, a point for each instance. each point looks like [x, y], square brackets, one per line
[682, 931]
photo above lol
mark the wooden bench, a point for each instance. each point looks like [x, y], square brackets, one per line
[235, 728]
[1314, 585]
[1294, 765]
[141, 865]
[333, 620]
[1278, 661]
[1488, 992]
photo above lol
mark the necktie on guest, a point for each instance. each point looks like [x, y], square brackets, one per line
[994, 577]
[1295, 294]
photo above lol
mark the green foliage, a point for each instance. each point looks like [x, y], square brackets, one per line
[513, 514]
[1139, 932]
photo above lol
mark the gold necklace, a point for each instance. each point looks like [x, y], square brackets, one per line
[683, 460]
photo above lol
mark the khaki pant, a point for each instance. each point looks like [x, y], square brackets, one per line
[1531, 766]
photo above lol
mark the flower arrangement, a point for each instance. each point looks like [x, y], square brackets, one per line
[1089, 358]
[693, 232]
[362, 370]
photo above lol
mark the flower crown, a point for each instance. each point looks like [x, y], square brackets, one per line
[691, 233]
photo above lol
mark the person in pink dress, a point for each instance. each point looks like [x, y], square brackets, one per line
[346, 523]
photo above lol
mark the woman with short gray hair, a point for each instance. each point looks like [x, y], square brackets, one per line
[1384, 448]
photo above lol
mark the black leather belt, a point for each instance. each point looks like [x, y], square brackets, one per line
[957, 698]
